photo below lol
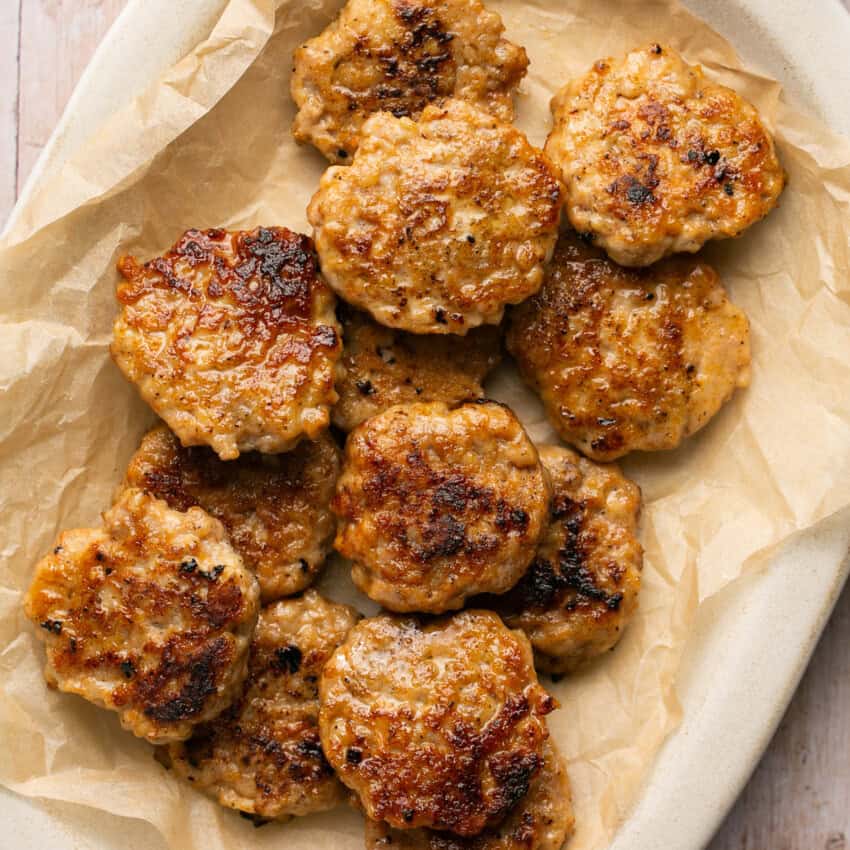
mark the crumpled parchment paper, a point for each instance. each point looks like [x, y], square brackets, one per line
[208, 145]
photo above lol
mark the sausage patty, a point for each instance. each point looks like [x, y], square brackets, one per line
[276, 508]
[150, 615]
[582, 587]
[398, 56]
[384, 367]
[436, 724]
[437, 224]
[231, 338]
[262, 756]
[656, 159]
[629, 359]
[435, 505]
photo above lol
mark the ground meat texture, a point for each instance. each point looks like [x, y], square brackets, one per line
[231, 338]
[150, 615]
[263, 756]
[398, 56]
[581, 589]
[446, 718]
[384, 367]
[275, 508]
[542, 820]
[629, 359]
[435, 505]
[655, 159]
[437, 224]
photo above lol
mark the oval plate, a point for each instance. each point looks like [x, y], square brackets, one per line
[751, 642]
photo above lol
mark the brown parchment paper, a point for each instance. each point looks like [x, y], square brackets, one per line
[208, 145]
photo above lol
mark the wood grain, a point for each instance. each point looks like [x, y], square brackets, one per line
[799, 796]
[9, 69]
[57, 38]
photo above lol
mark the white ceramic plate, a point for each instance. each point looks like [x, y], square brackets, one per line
[751, 642]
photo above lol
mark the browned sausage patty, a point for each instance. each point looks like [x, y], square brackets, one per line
[262, 756]
[437, 224]
[582, 587]
[231, 338]
[384, 367]
[629, 359]
[398, 56]
[436, 724]
[656, 159]
[276, 508]
[435, 505]
[542, 820]
[150, 615]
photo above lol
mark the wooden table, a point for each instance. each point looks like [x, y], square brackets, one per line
[799, 797]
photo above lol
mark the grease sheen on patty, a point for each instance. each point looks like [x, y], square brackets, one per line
[542, 819]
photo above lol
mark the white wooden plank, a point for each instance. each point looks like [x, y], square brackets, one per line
[57, 39]
[9, 32]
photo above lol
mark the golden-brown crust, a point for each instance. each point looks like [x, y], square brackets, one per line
[437, 224]
[399, 56]
[582, 588]
[150, 616]
[262, 756]
[542, 820]
[629, 359]
[384, 367]
[275, 508]
[436, 505]
[436, 724]
[231, 337]
[655, 159]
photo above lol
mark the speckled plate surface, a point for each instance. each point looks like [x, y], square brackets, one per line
[751, 642]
